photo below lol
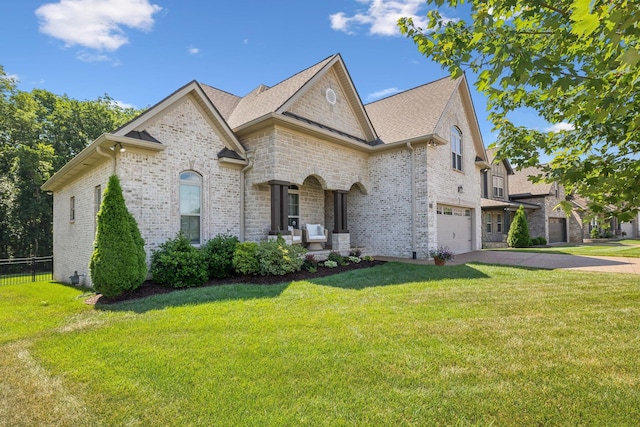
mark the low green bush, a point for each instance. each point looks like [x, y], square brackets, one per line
[542, 241]
[278, 258]
[335, 257]
[218, 254]
[245, 259]
[178, 264]
[310, 263]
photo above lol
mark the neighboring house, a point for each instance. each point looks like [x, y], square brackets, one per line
[609, 227]
[550, 221]
[497, 207]
[397, 177]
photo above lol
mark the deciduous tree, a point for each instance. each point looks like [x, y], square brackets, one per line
[576, 63]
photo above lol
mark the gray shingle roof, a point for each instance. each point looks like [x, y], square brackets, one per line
[412, 113]
[519, 183]
[262, 100]
[225, 102]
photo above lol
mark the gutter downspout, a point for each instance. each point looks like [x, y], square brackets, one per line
[113, 158]
[242, 184]
[413, 201]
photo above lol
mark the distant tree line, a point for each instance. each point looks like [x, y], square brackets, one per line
[39, 133]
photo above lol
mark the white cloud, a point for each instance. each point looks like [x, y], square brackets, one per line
[560, 127]
[193, 50]
[96, 24]
[382, 93]
[12, 77]
[85, 56]
[381, 16]
[122, 104]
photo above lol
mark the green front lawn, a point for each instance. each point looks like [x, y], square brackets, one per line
[621, 248]
[397, 344]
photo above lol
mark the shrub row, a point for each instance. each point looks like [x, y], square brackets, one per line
[179, 264]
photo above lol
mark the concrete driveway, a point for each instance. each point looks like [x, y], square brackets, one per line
[540, 260]
[552, 261]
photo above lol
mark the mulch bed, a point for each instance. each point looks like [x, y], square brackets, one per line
[150, 288]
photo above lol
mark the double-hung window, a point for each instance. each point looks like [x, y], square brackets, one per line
[294, 206]
[190, 205]
[456, 148]
[498, 187]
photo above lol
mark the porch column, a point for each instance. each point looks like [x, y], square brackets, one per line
[340, 212]
[340, 238]
[279, 207]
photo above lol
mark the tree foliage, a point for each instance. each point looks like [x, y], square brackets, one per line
[118, 262]
[575, 62]
[518, 236]
[39, 133]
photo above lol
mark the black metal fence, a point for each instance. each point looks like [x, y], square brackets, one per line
[20, 270]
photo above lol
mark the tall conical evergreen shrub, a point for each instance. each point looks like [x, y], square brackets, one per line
[118, 262]
[518, 236]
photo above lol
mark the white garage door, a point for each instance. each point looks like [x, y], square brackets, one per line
[454, 228]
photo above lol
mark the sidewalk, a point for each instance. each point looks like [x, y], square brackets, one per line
[541, 260]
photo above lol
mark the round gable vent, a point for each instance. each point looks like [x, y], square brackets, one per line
[331, 96]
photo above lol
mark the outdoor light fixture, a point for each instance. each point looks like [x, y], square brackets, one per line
[460, 189]
[118, 144]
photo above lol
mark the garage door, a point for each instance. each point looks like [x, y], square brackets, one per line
[557, 230]
[454, 228]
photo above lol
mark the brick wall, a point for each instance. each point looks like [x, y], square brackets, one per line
[313, 105]
[73, 240]
[150, 184]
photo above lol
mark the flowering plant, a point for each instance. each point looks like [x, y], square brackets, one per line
[442, 253]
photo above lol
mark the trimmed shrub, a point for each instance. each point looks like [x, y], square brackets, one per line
[335, 257]
[218, 254]
[178, 264]
[118, 261]
[518, 236]
[278, 258]
[542, 241]
[245, 259]
[310, 263]
[535, 241]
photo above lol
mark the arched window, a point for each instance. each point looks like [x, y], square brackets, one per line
[294, 206]
[456, 148]
[190, 205]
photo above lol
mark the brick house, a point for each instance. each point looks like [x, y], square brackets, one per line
[496, 203]
[550, 221]
[396, 177]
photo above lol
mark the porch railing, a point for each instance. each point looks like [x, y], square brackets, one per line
[20, 270]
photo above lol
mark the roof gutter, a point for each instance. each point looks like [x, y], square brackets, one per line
[103, 141]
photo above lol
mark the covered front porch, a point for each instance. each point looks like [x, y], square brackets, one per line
[311, 214]
[496, 221]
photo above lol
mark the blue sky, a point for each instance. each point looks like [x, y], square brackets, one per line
[139, 51]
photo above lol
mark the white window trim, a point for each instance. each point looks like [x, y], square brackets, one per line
[456, 156]
[199, 215]
[294, 189]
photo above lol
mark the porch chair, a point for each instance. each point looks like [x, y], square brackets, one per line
[315, 236]
[296, 235]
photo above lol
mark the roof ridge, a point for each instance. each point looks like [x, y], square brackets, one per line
[296, 74]
[218, 89]
[410, 89]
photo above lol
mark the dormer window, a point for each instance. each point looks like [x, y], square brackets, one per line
[456, 148]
